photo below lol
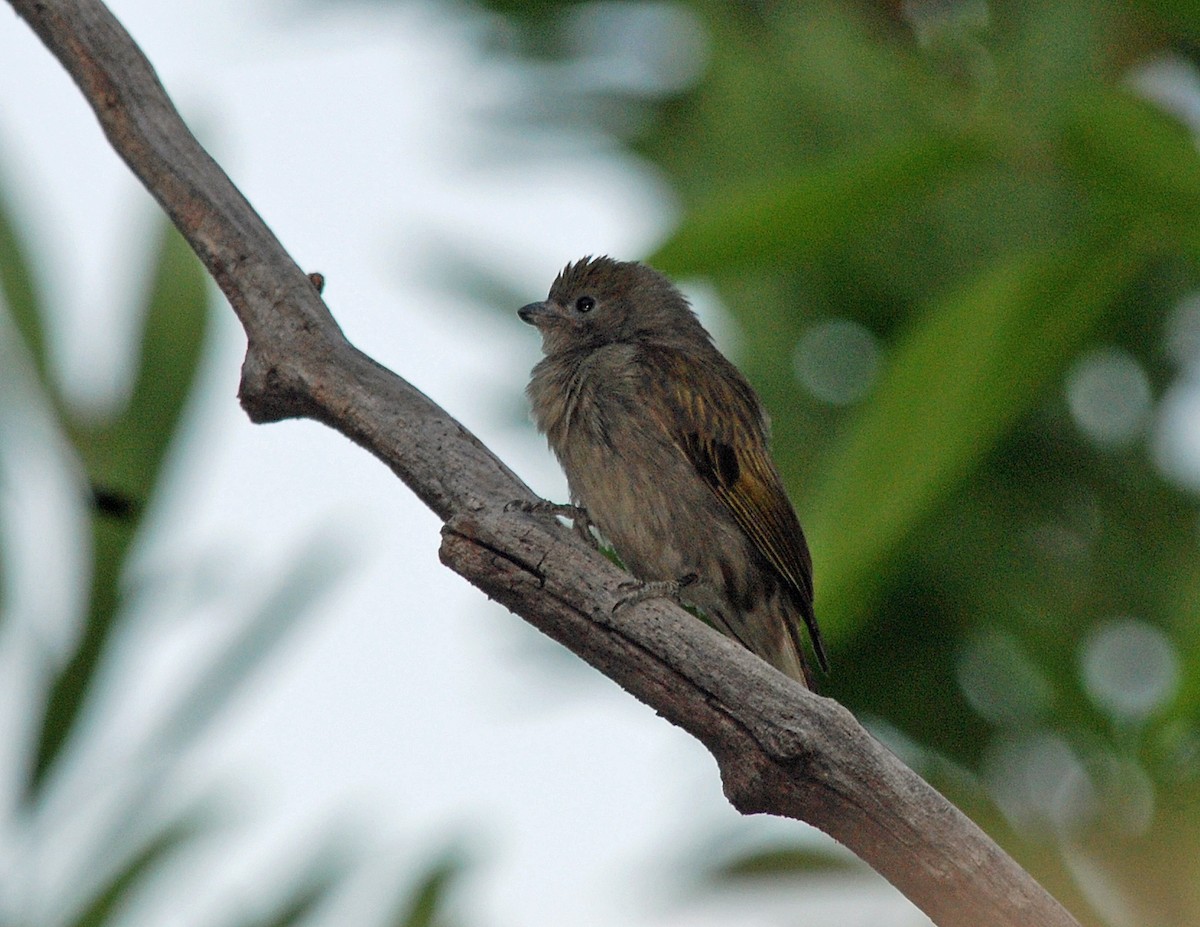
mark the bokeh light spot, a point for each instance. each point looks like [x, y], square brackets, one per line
[999, 680]
[1182, 336]
[836, 360]
[1127, 793]
[1038, 781]
[649, 48]
[1177, 435]
[1109, 395]
[1129, 668]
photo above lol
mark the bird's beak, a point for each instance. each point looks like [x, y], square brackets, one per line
[533, 313]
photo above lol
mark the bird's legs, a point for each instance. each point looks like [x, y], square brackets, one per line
[577, 514]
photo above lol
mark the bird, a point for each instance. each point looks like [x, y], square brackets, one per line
[665, 447]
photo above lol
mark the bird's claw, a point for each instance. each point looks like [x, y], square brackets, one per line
[578, 515]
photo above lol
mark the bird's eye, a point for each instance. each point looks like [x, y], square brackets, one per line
[585, 304]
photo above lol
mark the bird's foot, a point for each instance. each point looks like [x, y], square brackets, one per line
[640, 591]
[577, 515]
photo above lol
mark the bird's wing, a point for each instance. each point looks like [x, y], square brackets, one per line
[714, 418]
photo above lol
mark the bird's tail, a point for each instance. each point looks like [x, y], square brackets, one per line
[772, 632]
[788, 655]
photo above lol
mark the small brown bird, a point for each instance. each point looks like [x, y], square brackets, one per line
[664, 445]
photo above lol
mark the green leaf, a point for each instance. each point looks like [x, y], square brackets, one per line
[795, 216]
[966, 370]
[1134, 157]
[124, 456]
[1184, 15]
[104, 906]
[785, 861]
[323, 875]
[312, 573]
[19, 291]
[123, 461]
[219, 682]
[301, 902]
[64, 701]
[423, 904]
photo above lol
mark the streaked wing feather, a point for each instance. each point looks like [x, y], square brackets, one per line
[717, 423]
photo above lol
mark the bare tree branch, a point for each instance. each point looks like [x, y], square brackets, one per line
[781, 750]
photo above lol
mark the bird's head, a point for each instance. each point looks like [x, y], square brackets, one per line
[599, 301]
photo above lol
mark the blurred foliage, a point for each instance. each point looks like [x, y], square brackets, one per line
[773, 862]
[424, 905]
[959, 240]
[111, 816]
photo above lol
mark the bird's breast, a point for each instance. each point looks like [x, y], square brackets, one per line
[637, 485]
